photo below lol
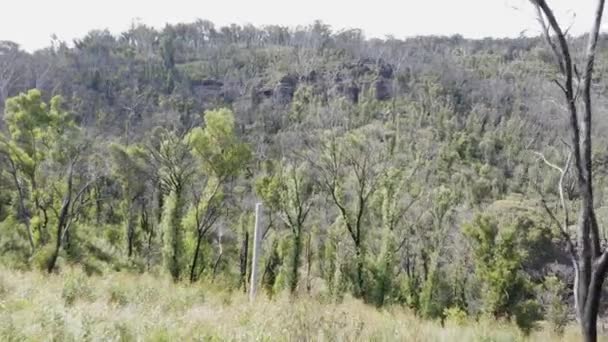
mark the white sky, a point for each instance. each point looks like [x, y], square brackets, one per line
[32, 22]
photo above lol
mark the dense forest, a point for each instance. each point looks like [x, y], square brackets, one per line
[416, 172]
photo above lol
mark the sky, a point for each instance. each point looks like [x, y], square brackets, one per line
[31, 23]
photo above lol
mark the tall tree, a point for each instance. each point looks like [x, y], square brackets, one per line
[291, 192]
[130, 171]
[349, 169]
[221, 157]
[172, 157]
[589, 258]
[34, 128]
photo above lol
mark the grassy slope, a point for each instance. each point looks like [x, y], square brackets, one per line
[122, 307]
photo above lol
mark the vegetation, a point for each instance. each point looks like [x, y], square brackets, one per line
[126, 307]
[399, 180]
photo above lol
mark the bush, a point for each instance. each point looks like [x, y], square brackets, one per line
[556, 308]
[455, 315]
[119, 295]
[42, 257]
[499, 251]
[527, 314]
[5, 288]
[75, 287]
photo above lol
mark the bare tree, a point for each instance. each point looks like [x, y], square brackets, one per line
[589, 258]
[9, 68]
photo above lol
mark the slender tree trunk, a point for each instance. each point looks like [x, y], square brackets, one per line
[216, 264]
[297, 242]
[63, 217]
[360, 282]
[146, 228]
[130, 233]
[98, 207]
[308, 263]
[193, 273]
[244, 257]
[23, 214]
[257, 238]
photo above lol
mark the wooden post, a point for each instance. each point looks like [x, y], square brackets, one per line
[257, 237]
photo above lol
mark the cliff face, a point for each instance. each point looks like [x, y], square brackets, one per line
[157, 76]
[350, 80]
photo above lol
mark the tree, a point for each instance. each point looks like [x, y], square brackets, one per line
[290, 191]
[499, 252]
[392, 208]
[221, 157]
[173, 160]
[130, 171]
[11, 68]
[349, 169]
[589, 258]
[34, 130]
[77, 182]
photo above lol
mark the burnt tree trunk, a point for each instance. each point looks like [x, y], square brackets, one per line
[589, 258]
[193, 273]
[297, 246]
[243, 260]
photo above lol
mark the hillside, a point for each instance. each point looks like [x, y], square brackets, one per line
[413, 175]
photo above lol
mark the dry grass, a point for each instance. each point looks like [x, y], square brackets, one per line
[123, 307]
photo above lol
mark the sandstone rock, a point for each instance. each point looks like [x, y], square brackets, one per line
[283, 92]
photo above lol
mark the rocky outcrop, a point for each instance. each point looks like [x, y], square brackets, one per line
[349, 81]
[284, 90]
[208, 90]
[383, 89]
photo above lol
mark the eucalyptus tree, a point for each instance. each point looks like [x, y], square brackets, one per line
[290, 191]
[34, 128]
[130, 169]
[349, 168]
[220, 158]
[171, 156]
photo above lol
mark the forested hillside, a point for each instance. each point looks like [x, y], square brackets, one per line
[410, 172]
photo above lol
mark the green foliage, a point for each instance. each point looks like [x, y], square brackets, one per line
[174, 236]
[297, 119]
[271, 278]
[498, 257]
[455, 315]
[41, 258]
[219, 150]
[76, 287]
[118, 295]
[556, 309]
[290, 191]
[383, 282]
[527, 314]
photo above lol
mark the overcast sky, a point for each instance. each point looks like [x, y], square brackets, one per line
[32, 22]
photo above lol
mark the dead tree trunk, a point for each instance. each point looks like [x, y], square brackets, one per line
[243, 260]
[589, 258]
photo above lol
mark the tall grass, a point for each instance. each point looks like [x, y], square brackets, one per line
[126, 307]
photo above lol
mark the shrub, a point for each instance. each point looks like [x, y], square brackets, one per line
[42, 256]
[76, 287]
[118, 295]
[455, 315]
[556, 308]
[527, 314]
[498, 253]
